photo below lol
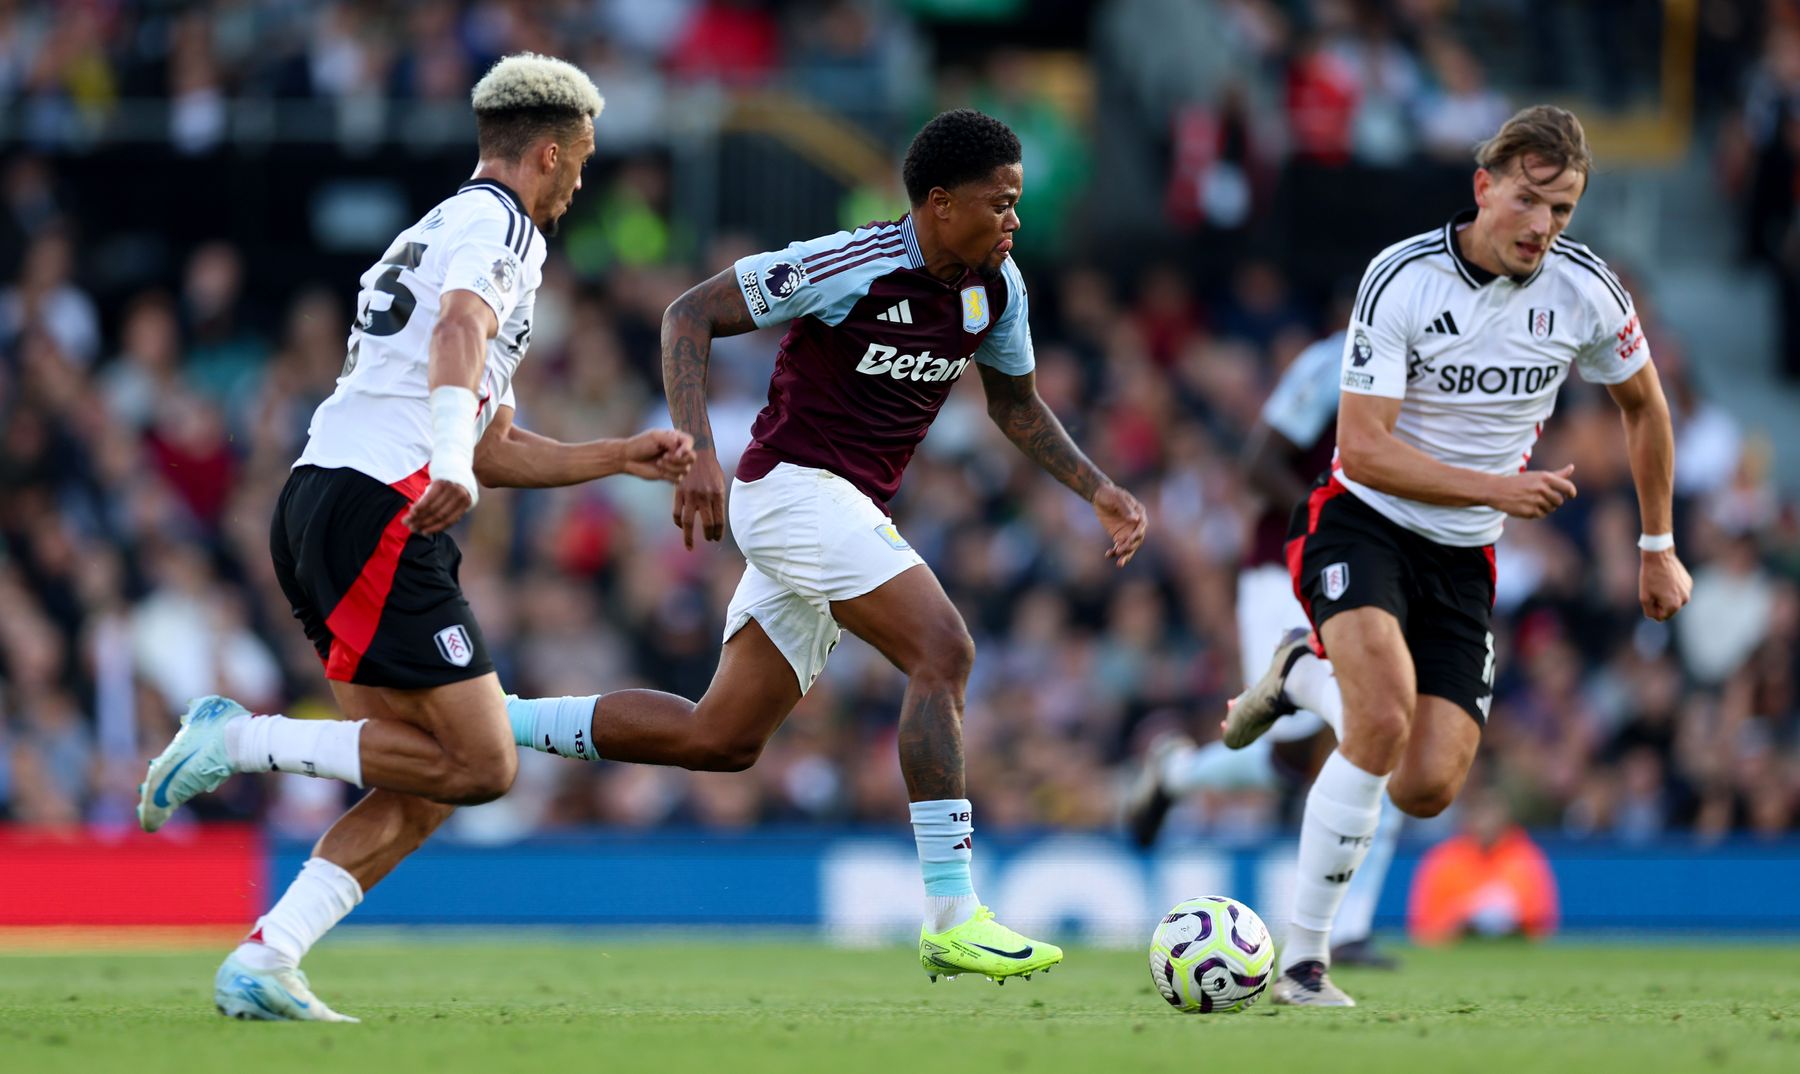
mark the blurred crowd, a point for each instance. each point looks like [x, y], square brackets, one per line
[144, 435]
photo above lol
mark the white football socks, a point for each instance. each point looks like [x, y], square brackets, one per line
[1217, 767]
[330, 749]
[317, 899]
[1342, 811]
[1356, 918]
[1312, 685]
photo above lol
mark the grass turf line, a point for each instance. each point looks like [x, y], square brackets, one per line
[791, 1008]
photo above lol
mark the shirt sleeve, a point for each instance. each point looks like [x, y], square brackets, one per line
[821, 277]
[1305, 399]
[482, 261]
[1008, 347]
[1617, 348]
[1379, 337]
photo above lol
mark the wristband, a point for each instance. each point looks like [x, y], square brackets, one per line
[453, 437]
[1656, 542]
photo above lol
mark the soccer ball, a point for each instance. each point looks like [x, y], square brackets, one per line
[1211, 954]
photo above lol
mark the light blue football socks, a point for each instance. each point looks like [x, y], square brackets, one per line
[945, 832]
[559, 725]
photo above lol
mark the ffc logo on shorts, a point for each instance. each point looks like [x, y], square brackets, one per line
[453, 645]
[1336, 579]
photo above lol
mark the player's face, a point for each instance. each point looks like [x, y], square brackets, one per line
[569, 162]
[1523, 208]
[981, 217]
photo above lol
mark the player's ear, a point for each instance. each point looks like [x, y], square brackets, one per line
[548, 154]
[940, 201]
[1484, 181]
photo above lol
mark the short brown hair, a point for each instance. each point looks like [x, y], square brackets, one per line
[1551, 134]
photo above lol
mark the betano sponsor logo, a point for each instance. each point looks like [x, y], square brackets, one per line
[881, 360]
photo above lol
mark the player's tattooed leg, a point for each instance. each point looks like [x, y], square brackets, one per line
[931, 750]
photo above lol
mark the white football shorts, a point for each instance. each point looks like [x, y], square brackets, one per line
[809, 537]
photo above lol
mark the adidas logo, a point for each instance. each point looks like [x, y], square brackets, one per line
[1444, 325]
[898, 314]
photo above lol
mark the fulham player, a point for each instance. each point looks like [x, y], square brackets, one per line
[1458, 343]
[422, 415]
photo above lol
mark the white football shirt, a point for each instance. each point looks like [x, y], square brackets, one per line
[1477, 360]
[378, 421]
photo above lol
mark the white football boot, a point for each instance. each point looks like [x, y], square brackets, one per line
[193, 764]
[1257, 708]
[1306, 984]
[278, 995]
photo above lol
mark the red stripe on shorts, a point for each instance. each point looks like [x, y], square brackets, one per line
[352, 623]
[1296, 549]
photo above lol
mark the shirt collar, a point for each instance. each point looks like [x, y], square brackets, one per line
[1474, 275]
[496, 185]
[914, 258]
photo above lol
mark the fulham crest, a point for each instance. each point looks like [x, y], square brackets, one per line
[1336, 579]
[453, 645]
[1542, 321]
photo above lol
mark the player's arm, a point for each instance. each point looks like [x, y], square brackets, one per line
[706, 312]
[1663, 582]
[1372, 455]
[459, 342]
[511, 457]
[1268, 464]
[1015, 406]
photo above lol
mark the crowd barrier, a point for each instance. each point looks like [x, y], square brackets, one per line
[850, 886]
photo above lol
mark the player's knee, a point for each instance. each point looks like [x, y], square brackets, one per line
[477, 783]
[1424, 799]
[947, 659]
[1378, 733]
[728, 753]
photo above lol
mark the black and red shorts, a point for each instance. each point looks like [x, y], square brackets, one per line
[1343, 554]
[380, 603]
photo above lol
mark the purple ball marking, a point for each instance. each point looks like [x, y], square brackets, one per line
[1243, 945]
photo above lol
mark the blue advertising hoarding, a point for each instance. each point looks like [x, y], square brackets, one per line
[858, 887]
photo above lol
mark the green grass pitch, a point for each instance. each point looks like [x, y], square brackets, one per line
[587, 1003]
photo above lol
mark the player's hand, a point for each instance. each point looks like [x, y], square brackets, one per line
[443, 503]
[1663, 584]
[1123, 516]
[1534, 493]
[700, 496]
[660, 455]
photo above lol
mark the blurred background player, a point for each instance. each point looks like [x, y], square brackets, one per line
[1490, 879]
[1460, 340]
[882, 323]
[1292, 441]
[422, 411]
